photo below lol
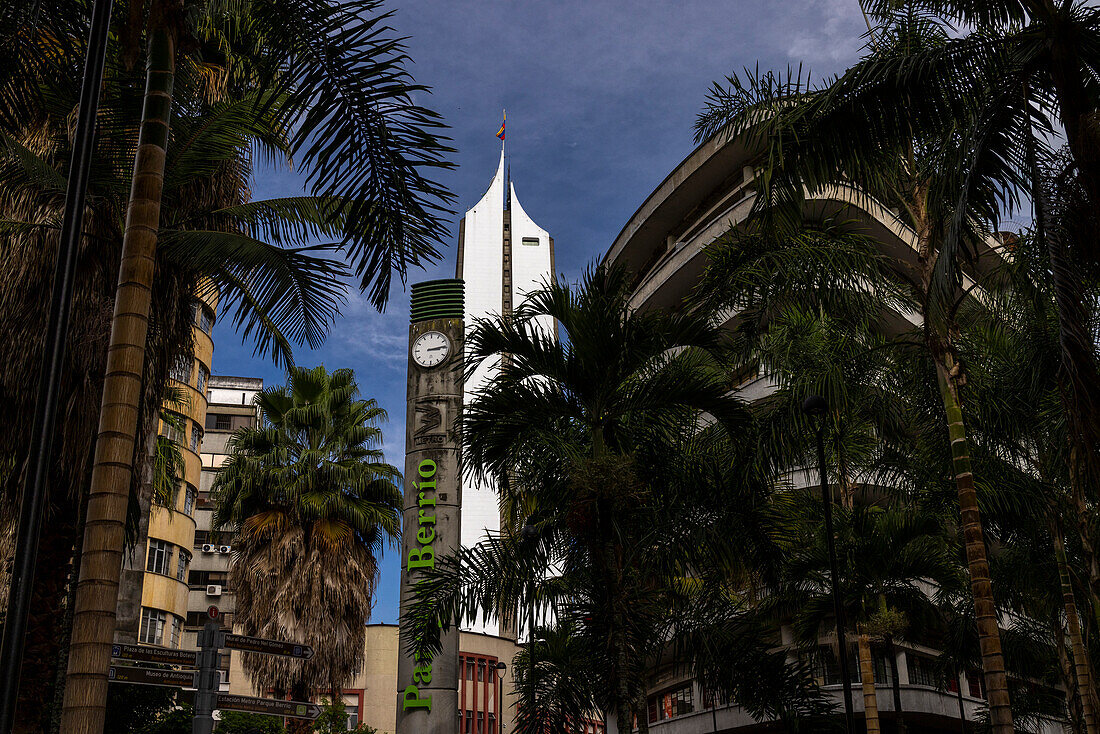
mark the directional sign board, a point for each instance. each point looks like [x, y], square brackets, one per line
[153, 654]
[266, 646]
[151, 676]
[272, 706]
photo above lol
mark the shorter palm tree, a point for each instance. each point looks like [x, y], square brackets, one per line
[895, 556]
[313, 505]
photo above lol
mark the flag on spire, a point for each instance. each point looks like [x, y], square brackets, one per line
[504, 122]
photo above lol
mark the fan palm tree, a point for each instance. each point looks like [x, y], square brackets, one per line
[948, 215]
[312, 506]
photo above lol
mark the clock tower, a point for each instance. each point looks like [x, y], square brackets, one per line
[427, 688]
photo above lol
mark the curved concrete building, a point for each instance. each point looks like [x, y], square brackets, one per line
[171, 539]
[664, 244]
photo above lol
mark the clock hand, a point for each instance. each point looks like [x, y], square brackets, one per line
[435, 349]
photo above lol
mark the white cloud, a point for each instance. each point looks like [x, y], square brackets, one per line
[823, 32]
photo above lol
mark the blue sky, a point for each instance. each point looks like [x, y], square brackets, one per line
[601, 97]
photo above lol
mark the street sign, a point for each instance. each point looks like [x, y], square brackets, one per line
[151, 676]
[272, 706]
[212, 612]
[153, 654]
[266, 646]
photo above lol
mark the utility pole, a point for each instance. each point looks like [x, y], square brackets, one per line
[33, 501]
[815, 407]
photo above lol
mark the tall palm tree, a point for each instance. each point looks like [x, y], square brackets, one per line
[948, 215]
[1020, 74]
[341, 106]
[1012, 340]
[312, 506]
[277, 286]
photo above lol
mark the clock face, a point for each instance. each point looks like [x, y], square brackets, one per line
[431, 348]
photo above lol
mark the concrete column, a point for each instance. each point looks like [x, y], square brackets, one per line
[901, 664]
[427, 690]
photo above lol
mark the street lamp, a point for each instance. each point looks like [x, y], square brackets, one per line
[501, 667]
[530, 534]
[814, 407]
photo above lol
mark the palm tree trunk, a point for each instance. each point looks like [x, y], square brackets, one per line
[299, 692]
[1069, 680]
[867, 677]
[101, 562]
[977, 561]
[1077, 643]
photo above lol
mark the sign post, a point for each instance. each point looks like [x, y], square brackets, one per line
[206, 694]
[272, 706]
[427, 687]
[151, 676]
[206, 679]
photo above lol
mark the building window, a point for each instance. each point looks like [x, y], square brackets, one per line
[168, 500]
[160, 557]
[223, 422]
[152, 626]
[200, 538]
[353, 717]
[530, 241]
[189, 501]
[171, 426]
[185, 558]
[203, 374]
[671, 703]
[201, 316]
[196, 437]
[922, 670]
[974, 684]
[177, 630]
[181, 368]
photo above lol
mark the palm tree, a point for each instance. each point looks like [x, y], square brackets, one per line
[891, 554]
[278, 288]
[1012, 340]
[947, 215]
[569, 425]
[312, 505]
[1022, 75]
[255, 73]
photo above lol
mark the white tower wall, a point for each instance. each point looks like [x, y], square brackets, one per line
[483, 268]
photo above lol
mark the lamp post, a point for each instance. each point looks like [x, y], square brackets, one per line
[500, 667]
[530, 534]
[814, 407]
[33, 502]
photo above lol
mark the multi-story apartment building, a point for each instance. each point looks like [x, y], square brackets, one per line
[171, 533]
[664, 245]
[230, 406]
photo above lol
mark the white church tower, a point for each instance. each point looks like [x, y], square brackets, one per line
[502, 256]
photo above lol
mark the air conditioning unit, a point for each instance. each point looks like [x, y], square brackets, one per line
[214, 590]
[224, 548]
[208, 548]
